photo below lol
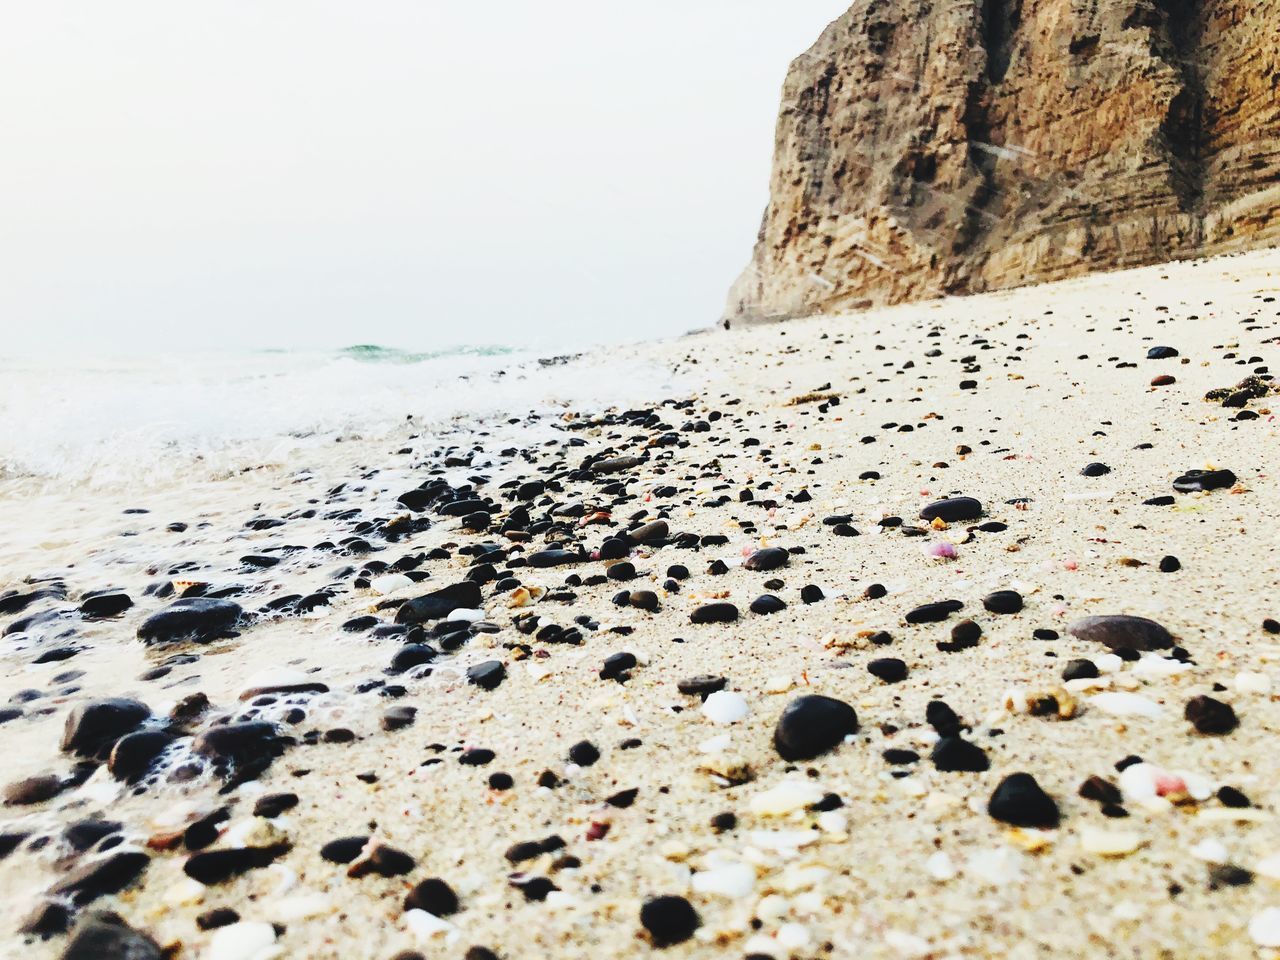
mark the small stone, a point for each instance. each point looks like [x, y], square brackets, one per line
[1003, 601]
[434, 896]
[933, 612]
[101, 935]
[487, 675]
[702, 685]
[770, 558]
[888, 669]
[202, 619]
[669, 920]
[953, 510]
[1194, 481]
[1080, 670]
[32, 790]
[1019, 801]
[1170, 564]
[1210, 716]
[1119, 630]
[584, 753]
[813, 725]
[1162, 353]
[1095, 470]
[955, 754]
[92, 727]
[767, 604]
[725, 707]
[714, 613]
[1109, 843]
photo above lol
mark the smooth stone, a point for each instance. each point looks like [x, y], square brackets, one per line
[1194, 481]
[32, 790]
[934, 612]
[1020, 802]
[440, 603]
[544, 559]
[953, 510]
[1003, 601]
[766, 604]
[953, 754]
[217, 866]
[412, 655]
[1095, 470]
[1120, 630]
[488, 675]
[93, 726]
[1162, 353]
[654, 532]
[770, 558]
[669, 920]
[237, 741]
[343, 850]
[813, 725]
[195, 618]
[110, 604]
[888, 669]
[101, 877]
[134, 754]
[714, 613]
[702, 685]
[1210, 716]
[434, 896]
[105, 936]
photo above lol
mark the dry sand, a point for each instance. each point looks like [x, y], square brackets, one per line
[909, 865]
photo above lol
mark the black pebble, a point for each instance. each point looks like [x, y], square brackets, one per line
[1019, 801]
[669, 920]
[812, 725]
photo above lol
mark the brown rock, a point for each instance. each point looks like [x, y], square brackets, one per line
[925, 148]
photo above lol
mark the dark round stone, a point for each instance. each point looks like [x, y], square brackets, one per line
[201, 619]
[770, 558]
[888, 669]
[135, 754]
[584, 753]
[714, 613]
[953, 510]
[1003, 601]
[1120, 630]
[487, 675]
[1194, 481]
[1080, 670]
[1095, 470]
[1019, 801]
[767, 603]
[1170, 564]
[92, 727]
[669, 920]
[702, 685]
[434, 896]
[955, 754]
[933, 612]
[1211, 716]
[812, 725]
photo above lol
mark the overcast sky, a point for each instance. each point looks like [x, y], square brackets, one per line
[317, 173]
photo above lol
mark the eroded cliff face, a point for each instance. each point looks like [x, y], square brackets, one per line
[930, 147]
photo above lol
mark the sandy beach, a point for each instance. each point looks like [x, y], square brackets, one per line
[558, 754]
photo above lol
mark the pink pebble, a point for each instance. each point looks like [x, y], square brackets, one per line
[1167, 783]
[944, 549]
[1070, 565]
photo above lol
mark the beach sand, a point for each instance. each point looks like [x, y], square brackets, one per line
[901, 859]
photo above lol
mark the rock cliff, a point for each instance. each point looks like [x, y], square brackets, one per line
[930, 147]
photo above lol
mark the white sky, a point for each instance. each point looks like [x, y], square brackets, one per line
[316, 173]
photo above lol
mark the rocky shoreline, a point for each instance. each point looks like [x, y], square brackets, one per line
[938, 631]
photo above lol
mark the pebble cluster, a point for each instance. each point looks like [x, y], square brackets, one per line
[735, 674]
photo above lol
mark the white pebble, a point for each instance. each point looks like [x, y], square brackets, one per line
[794, 936]
[1264, 928]
[1126, 705]
[734, 881]
[1108, 663]
[243, 941]
[426, 926]
[1109, 843]
[1249, 682]
[940, 867]
[786, 797]
[1210, 851]
[1154, 665]
[390, 583]
[1269, 867]
[724, 706]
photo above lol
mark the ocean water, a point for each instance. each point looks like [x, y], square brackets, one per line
[143, 422]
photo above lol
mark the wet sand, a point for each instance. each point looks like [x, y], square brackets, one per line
[781, 435]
